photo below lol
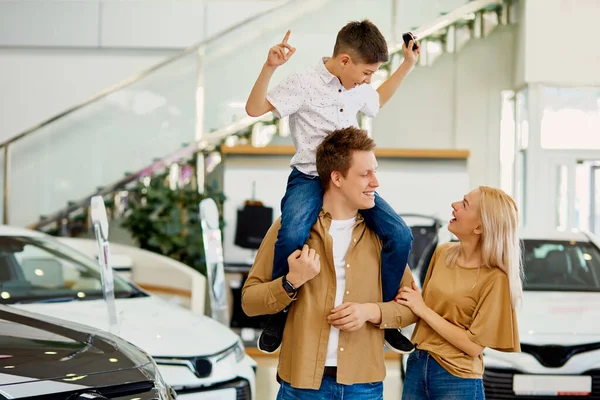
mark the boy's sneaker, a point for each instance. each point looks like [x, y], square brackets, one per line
[270, 338]
[396, 341]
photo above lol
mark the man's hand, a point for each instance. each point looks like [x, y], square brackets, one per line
[350, 317]
[280, 53]
[411, 56]
[304, 265]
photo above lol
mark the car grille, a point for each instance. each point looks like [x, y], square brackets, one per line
[498, 386]
[203, 367]
[241, 386]
[243, 392]
[555, 356]
[141, 390]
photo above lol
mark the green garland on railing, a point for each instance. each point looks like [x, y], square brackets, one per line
[166, 220]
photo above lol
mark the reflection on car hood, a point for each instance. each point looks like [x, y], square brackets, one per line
[574, 316]
[36, 348]
[160, 328]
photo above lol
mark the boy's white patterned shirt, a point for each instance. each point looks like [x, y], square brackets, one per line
[317, 103]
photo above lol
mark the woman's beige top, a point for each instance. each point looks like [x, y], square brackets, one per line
[475, 299]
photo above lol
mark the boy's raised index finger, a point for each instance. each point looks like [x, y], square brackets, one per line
[287, 36]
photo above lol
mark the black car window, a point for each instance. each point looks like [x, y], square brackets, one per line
[561, 265]
[40, 269]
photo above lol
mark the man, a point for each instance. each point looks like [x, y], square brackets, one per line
[333, 339]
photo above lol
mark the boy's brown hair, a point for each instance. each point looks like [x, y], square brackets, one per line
[363, 42]
[336, 150]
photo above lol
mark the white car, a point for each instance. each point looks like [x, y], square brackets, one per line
[198, 357]
[559, 323]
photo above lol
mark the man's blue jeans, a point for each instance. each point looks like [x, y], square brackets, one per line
[331, 390]
[300, 208]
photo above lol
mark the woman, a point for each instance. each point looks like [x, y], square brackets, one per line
[468, 300]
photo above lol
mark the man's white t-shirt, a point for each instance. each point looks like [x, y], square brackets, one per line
[341, 233]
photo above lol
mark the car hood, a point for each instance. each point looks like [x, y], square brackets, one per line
[574, 317]
[65, 356]
[160, 328]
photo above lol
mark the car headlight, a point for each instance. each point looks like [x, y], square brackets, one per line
[239, 351]
[165, 392]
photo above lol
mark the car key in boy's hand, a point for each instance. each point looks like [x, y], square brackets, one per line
[408, 37]
[411, 48]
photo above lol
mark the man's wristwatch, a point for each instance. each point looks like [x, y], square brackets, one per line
[287, 286]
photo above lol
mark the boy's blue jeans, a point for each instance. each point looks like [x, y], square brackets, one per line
[300, 208]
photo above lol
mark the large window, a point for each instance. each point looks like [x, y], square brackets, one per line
[570, 118]
[562, 197]
[587, 196]
[507, 142]
[521, 145]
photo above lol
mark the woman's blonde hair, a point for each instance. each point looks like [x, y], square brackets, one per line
[500, 244]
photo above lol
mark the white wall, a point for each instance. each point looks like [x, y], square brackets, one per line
[455, 103]
[561, 41]
[120, 23]
[410, 186]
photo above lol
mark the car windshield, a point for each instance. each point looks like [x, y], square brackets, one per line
[558, 265]
[38, 269]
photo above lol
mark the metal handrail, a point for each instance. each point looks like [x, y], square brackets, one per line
[211, 138]
[451, 18]
[185, 153]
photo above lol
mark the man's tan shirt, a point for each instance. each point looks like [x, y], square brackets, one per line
[304, 347]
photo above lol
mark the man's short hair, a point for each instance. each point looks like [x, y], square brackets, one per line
[363, 42]
[336, 151]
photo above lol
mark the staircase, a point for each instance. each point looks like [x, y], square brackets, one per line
[181, 111]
